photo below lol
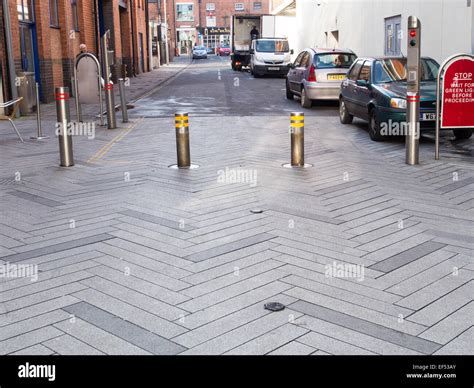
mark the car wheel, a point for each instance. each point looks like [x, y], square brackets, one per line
[374, 127]
[462, 134]
[344, 115]
[305, 101]
[289, 93]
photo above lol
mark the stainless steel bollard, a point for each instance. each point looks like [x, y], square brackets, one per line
[63, 117]
[297, 139]
[182, 139]
[108, 86]
[412, 140]
[123, 100]
[38, 117]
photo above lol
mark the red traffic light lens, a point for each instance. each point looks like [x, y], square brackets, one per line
[412, 33]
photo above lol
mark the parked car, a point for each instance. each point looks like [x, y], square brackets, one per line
[316, 74]
[209, 50]
[223, 50]
[270, 56]
[199, 52]
[375, 90]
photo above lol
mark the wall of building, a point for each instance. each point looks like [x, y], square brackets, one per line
[58, 46]
[446, 24]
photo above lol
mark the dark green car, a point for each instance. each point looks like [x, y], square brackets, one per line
[375, 90]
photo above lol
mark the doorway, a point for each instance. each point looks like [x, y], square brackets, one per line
[393, 35]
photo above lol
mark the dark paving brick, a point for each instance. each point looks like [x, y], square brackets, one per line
[403, 258]
[373, 329]
[56, 248]
[455, 185]
[35, 198]
[126, 330]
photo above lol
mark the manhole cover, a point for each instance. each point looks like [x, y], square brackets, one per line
[274, 306]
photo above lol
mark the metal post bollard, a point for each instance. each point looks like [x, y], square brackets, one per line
[38, 117]
[63, 117]
[182, 141]
[297, 139]
[123, 100]
[108, 86]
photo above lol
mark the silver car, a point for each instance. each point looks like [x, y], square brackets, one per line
[316, 74]
[200, 52]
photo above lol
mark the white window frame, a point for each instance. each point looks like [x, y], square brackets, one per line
[210, 6]
[185, 20]
[239, 6]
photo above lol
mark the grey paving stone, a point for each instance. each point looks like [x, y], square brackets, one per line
[462, 345]
[230, 247]
[158, 220]
[35, 198]
[403, 258]
[68, 346]
[293, 348]
[35, 350]
[31, 338]
[128, 331]
[331, 345]
[100, 339]
[56, 248]
[366, 327]
[305, 214]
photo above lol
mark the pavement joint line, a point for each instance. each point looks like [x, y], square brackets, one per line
[107, 147]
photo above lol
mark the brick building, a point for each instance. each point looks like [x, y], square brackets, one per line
[46, 34]
[208, 22]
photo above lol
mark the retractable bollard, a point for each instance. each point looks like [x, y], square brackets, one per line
[182, 141]
[123, 100]
[63, 117]
[108, 85]
[38, 117]
[297, 140]
[413, 91]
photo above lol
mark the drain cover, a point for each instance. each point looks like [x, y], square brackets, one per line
[274, 306]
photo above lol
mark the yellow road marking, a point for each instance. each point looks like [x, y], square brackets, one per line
[107, 147]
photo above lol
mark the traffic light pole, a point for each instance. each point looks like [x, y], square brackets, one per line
[413, 91]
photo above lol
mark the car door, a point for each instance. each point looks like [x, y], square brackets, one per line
[301, 70]
[363, 93]
[293, 71]
[348, 87]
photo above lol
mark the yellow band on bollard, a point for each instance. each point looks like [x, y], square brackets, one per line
[297, 125]
[181, 117]
[181, 125]
[297, 117]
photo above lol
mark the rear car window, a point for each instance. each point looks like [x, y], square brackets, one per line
[395, 69]
[334, 60]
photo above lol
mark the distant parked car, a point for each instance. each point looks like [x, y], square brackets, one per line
[375, 90]
[199, 52]
[223, 50]
[210, 50]
[316, 74]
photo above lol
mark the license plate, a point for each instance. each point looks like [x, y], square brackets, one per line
[274, 68]
[336, 77]
[428, 117]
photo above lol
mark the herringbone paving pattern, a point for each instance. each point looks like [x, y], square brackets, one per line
[137, 258]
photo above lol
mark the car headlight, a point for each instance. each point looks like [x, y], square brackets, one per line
[259, 58]
[399, 103]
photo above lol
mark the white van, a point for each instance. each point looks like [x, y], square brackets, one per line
[270, 56]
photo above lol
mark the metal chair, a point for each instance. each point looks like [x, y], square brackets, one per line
[16, 105]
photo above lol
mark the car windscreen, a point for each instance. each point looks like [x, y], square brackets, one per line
[395, 69]
[199, 48]
[334, 60]
[272, 46]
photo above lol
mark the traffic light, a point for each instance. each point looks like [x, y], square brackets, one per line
[413, 36]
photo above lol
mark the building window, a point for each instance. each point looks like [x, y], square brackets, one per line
[239, 6]
[257, 5]
[211, 21]
[75, 17]
[185, 12]
[210, 7]
[25, 10]
[53, 13]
